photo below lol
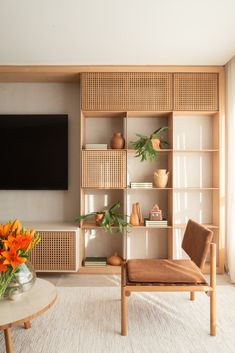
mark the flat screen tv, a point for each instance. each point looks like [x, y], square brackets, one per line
[34, 152]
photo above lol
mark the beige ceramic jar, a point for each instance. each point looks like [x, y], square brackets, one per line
[161, 178]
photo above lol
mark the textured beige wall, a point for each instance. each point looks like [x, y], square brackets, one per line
[44, 206]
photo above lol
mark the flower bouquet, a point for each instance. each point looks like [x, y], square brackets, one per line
[15, 244]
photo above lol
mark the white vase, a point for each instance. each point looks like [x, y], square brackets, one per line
[161, 178]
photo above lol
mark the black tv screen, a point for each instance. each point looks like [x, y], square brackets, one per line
[34, 152]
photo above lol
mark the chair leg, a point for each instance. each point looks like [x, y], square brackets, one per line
[213, 313]
[123, 312]
[213, 292]
[192, 295]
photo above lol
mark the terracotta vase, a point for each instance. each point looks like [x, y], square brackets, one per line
[161, 178]
[117, 141]
[156, 144]
[98, 218]
[139, 213]
[134, 218]
[114, 260]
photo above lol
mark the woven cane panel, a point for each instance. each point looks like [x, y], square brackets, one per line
[55, 252]
[112, 91]
[196, 91]
[104, 169]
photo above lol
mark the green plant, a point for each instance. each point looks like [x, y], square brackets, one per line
[144, 144]
[108, 218]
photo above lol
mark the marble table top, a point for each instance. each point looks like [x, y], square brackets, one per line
[29, 304]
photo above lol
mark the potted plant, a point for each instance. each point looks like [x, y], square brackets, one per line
[108, 218]
[146, 147]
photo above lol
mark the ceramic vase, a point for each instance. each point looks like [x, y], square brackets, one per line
[114, 260]
[134, 218]
[98, 218]
[139, 213]
[161, 178]
[117, 141]
[156, 144]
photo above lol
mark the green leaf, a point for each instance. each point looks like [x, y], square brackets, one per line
[158, 131]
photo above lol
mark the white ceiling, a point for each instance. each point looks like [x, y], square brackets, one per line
[158, 32]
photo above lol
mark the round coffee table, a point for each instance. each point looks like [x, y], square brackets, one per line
[29, 305]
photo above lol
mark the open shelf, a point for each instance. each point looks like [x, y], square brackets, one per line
[103, 270]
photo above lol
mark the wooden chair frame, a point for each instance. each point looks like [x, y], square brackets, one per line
[210, 290]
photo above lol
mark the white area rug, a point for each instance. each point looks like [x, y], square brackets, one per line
[87, 320]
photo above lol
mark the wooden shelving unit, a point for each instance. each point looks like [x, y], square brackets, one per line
[132, 99]
[195, 157]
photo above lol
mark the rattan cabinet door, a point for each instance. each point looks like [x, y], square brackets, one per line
[196, 91]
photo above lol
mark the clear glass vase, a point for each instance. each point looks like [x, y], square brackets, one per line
[22, 281]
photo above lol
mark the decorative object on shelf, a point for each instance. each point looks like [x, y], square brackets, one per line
[161, 178]
[155, 214]
[108, 218]
[139, 213]
[16, 274]
[143, 185]
[115, 260]
[98, 218]
[96, 146]
[147, 147]
[117, 141]
[134, 217]
[160, 224]
[91, 261]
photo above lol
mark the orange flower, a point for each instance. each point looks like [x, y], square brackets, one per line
[5, 229]
[20, 242]
[9, 242]
[23, 241]
[12, 258]
[3, 268]
[16, 226]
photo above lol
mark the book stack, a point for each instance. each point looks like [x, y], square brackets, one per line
[161, 224]
[96, 146]
[144, 185]
[95, 261]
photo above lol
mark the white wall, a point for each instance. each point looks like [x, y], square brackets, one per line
[52, 206]
[158, 32]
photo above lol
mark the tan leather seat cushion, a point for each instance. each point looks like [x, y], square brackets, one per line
[164, 271]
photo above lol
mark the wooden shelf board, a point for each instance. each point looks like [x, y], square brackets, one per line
[129, 188]
[194, 188]
[92, 226]
[104, 114]
[149, 114]
[153, 188]
[132, 150]
[175, 226]
[193, 112]
[195, 150]
[100, 270]
[157, 227]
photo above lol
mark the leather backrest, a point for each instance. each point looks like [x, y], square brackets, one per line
[196, 242]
